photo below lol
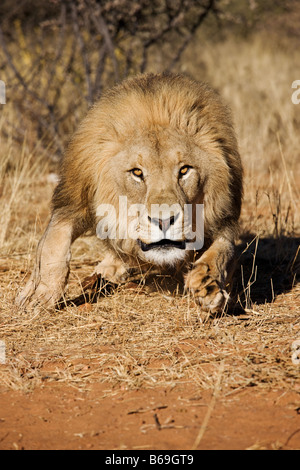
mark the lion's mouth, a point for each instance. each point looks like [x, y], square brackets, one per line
[162, 244]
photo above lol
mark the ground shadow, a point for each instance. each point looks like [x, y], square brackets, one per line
[155, 280]
[266, 268]
[93, 288]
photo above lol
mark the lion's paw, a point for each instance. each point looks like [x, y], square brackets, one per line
[208, 291]
[112, 269]
[40, 295]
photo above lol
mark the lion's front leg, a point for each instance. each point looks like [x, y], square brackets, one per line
[49, 277]
[210, 276]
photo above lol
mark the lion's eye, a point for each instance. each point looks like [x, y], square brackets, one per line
[137, 172]
[184, 170]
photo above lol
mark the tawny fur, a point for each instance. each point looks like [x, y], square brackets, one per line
[157, 123]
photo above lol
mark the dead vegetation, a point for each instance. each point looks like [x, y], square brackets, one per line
[135, 340]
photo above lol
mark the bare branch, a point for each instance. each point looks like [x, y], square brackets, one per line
[102, 29]
[80, 47]
[84, 53]
[58, 55]
[210, 7]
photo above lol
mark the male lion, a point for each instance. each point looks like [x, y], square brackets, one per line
[163, 141]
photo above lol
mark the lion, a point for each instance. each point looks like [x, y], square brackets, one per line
[159, 143]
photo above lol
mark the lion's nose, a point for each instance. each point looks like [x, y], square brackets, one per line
[163, 224]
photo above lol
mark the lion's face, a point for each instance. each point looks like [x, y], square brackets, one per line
[158, 174]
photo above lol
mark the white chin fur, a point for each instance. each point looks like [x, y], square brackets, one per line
[163, 257]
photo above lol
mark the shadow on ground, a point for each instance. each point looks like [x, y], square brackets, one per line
[266, 268]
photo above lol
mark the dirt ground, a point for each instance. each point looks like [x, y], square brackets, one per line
[57, 417]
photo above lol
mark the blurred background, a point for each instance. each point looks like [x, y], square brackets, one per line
[57, 57]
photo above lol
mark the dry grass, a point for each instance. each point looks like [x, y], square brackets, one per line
[149, 340]
[147, 337]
